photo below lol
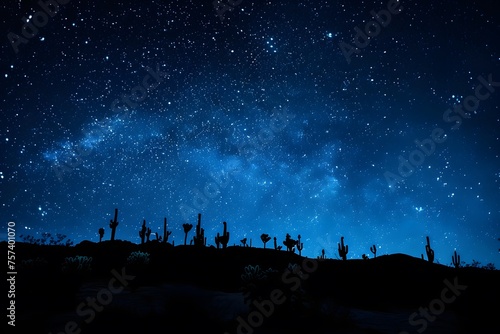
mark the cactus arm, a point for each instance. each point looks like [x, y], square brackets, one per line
[429, 251]
[343, 249]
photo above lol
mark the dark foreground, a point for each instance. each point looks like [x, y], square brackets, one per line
[185, 289]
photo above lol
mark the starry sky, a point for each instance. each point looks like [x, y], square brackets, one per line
[373, 120]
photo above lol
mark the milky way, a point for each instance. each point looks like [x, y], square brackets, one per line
[373, 120]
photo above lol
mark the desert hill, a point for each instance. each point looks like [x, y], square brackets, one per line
[120, 286]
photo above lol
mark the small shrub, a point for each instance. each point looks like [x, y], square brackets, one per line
[77, 264]
[489, 266]
[254, 273]
[138, 258]
[30, 264]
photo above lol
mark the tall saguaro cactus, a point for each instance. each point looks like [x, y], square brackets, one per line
[142, 231]
[113, 224]
[373, 249]
[222, 239]
[199, 238]
[455, 259]
[343, 250]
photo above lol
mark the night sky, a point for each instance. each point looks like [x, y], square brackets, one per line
[268, 116]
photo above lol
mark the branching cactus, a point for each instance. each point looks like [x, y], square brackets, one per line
[429, 251]
[166, 233]
[222, 239]
[113, 224]
[373, 249]
[343, 250]
[199, 238]
[300, 245]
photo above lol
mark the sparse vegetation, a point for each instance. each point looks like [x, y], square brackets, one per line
[138, 258]
[48, 239]
[77, 264]
[35, 263]
[294, 288]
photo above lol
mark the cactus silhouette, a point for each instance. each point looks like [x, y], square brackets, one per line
[187, 228]
[300, 245]
[455, 259]
[322, 256]
[148, 234]
[166, 233]
[276, 247]
[429, 251]
[101, 234]
[373, 249]
[222, 239]
[199, 239]
[142, 231]
[113, 224]
[343, 250]
[265, 238]
[244, 242]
